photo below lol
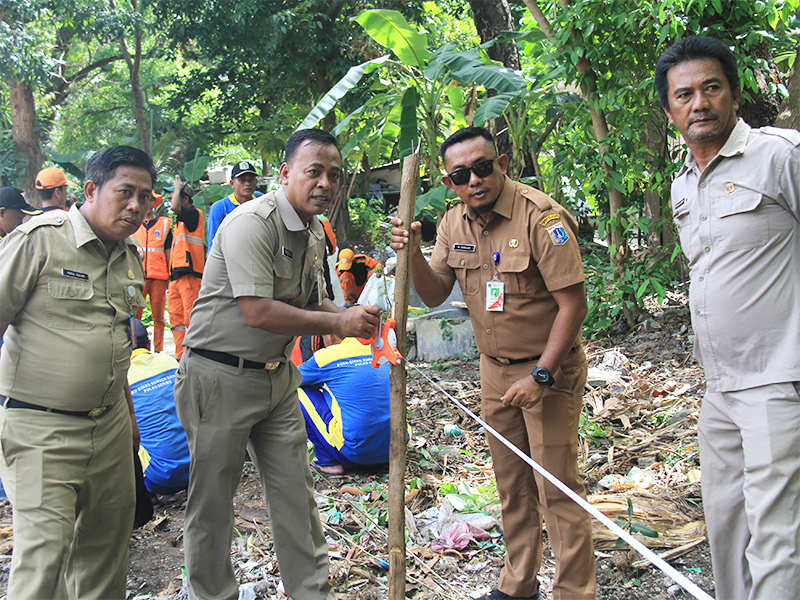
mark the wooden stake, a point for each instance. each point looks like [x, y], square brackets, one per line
[397, 444]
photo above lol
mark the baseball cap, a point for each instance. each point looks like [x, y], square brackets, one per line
[52, 177]
[11, 197]
[345, 259]
[242, 168]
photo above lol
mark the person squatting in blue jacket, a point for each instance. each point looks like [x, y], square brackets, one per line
[163, 449]
[345, 403]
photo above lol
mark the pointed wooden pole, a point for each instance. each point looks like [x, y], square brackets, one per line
[397, 444]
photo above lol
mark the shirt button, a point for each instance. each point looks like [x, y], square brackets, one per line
[485, 232]
[707, 249]
[702, 278]
[488, 332]
[703, 217]
[71, 293]
[702, 185]
[698, 312]
[463, 262]
[485, 266]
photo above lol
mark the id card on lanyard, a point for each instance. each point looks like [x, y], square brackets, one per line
[495, 289]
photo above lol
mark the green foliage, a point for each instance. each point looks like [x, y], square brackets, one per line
[467, 498]
[366, 217]
[631, 526]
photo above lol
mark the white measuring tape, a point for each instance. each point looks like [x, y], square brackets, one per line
[666, 568]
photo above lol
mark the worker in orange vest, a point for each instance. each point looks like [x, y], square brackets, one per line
[188, 261]
[354, 270]
[154, 239]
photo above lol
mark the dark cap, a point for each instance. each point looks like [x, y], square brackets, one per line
[140, 334]
[242, 168]
[11, 197]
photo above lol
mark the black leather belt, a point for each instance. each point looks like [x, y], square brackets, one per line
[94, 413]
[514, 361]
[233, 361]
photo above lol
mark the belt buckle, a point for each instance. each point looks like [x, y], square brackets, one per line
[271, 366]
[97, 412]
[503, 361]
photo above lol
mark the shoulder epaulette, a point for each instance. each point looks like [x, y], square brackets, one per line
[790, 135]
[540, 199]
[41, 221]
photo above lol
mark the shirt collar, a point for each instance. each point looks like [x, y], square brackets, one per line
[734, 145]
[232, 198]
[292, 220]
[83, 231]
[139, 352]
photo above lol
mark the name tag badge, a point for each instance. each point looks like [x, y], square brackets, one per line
[286, 252]
[464, 247]
[74, 274]
[495, 296]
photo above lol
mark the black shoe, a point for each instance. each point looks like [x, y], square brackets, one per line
[498, 595]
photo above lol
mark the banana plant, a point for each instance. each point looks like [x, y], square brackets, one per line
[420, 93]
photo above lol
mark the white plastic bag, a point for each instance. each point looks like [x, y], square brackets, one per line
[378, 291]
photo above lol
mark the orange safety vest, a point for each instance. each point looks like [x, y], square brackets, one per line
[151, 247]
[187, 247]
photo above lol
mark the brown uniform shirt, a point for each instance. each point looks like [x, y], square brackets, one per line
[536, 239]
[261, 249]
[67, 302]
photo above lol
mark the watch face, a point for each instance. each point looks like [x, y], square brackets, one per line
[542, 376]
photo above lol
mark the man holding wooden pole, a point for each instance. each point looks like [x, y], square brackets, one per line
[515, 255]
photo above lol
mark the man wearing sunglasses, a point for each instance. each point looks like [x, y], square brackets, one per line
[515, 254]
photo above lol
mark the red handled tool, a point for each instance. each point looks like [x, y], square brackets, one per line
[384, 344]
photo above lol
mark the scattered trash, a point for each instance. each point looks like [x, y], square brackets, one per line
[452, 430]
[458, 536]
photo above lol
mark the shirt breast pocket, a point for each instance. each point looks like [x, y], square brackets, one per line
[511, 269]
[282, 288]
[467, 266]
[68, 304]
[741, 221]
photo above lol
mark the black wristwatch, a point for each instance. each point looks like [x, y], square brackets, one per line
[543, 376]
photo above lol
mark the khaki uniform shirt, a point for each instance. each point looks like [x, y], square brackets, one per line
[536, 239]
[67, 302]
[739, 224]
[261, 249]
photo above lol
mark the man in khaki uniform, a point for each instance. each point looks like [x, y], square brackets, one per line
[236, 388]
[515, 255]
[736, 203]
[71, 283]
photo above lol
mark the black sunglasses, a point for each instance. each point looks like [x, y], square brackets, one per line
[481, 169]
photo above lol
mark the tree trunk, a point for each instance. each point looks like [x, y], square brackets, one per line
[763, 109]
[789, 115]
[616, 200]
[134, 68]
[25, 133]
[490, 19]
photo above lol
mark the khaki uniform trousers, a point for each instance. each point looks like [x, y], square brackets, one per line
[156, 289]
[70, 481]
[750, 458]
[548, 433]
[182, 294]
[226, 410]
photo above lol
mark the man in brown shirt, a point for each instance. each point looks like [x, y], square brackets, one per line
[515, 255]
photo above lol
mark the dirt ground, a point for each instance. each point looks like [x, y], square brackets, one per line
[645, 421]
